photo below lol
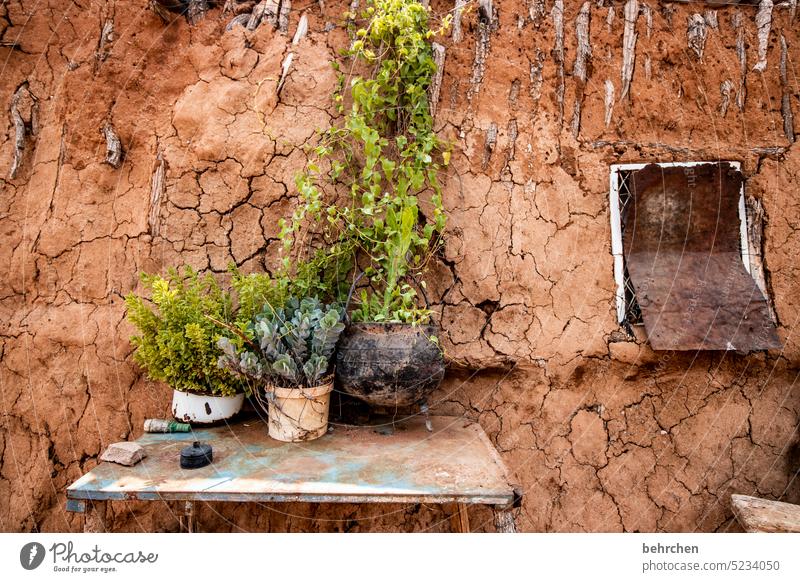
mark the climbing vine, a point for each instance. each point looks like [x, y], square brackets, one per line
[372, 169]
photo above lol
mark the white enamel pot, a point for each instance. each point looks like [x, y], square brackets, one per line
[204, 409]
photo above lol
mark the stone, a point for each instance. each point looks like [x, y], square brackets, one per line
[124, 453]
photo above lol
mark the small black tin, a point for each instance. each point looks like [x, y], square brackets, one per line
[195, 456]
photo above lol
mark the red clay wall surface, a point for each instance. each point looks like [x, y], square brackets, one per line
[601, 433]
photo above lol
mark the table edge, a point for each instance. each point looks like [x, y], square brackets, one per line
[478, 499]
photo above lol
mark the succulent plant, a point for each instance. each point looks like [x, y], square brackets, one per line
[292, 345]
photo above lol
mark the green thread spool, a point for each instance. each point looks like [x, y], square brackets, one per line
[159, 425]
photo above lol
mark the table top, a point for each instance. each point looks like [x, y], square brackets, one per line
[400, 462]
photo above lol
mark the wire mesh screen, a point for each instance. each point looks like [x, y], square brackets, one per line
[633, 314]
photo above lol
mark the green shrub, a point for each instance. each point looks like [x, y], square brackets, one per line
[180, 325]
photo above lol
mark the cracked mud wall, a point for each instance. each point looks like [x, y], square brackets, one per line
[600, 432]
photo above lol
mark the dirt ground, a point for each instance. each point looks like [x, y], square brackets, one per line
[600, 432]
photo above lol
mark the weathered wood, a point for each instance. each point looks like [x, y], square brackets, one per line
[696, 34]
[536, 69]
[609, 101]
[255, 16]
[610, 15]
[754, 212]
[458, 35]
[157, 187]
[583, 50]
[557, 13]
[513, 93]
[302, 30]
[106, 40]
[239, 20]
[763, 25]
[265, 11]
[19, 130]
[488, 145]
[196, 11]
[725, 90]
[283, 16]
[239, 6]
[511, 150]
[648, 19]
[629, 46]
[771, 151]
[786, 99]
[114, 152]
[188, 521]
[463, 518]
[451, 509]
[765, 516]
[436, 83]
[482, 46]
[459, 518]
[504, 521]
[741, 53]
[536, 12]
[582, 64]
[285, 68]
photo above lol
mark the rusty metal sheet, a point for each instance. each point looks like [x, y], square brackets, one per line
[455, 463]
[682, 250]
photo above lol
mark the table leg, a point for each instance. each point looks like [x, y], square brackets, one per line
[459, 518]
[187, 522]
[463, 517]
[504, 520]
[94, 520]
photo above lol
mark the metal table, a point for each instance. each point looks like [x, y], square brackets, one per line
[397, 463]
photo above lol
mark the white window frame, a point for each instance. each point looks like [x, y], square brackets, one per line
[616, 224]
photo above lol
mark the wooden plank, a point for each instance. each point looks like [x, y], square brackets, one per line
[463, 518]
[187, 521]
[454, 463]
[455, 519]
[764, 515]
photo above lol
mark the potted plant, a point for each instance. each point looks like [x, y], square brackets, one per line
[177, 343]
[364, 196]
[286, 353]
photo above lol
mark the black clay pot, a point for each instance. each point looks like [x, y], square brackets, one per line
[389, 364]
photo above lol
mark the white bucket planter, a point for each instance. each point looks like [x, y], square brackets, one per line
[203, 409]
[298, 414]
